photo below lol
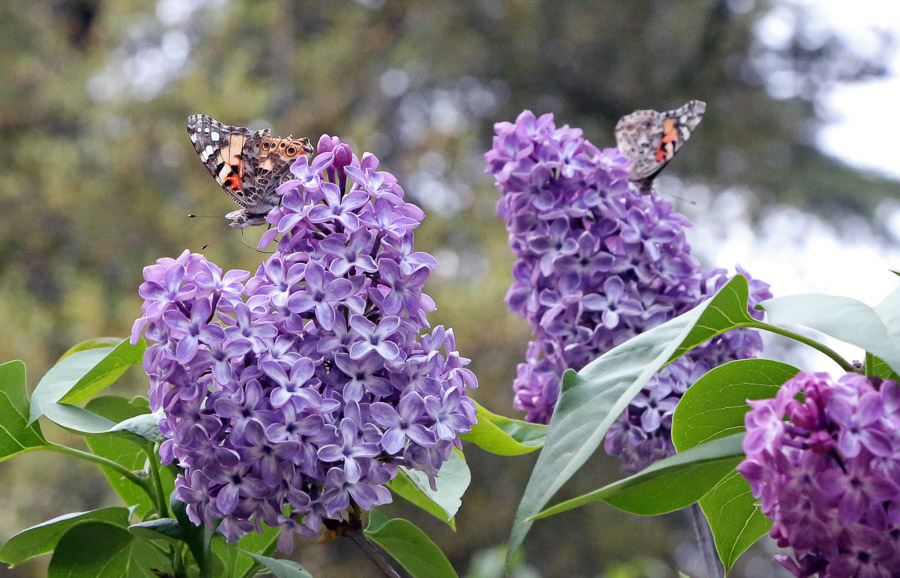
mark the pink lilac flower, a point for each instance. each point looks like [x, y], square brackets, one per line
[598, 263]
[824, 467]
[294, 395]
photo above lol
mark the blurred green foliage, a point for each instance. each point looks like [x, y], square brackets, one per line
[99, 175]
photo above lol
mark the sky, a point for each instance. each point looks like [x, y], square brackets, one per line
[861, 109]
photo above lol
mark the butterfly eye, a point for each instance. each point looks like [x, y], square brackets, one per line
[291, 151]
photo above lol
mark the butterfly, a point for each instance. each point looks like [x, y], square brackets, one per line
[248, 164]
[649, 139]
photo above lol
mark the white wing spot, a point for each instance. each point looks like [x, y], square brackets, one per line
[214, 136]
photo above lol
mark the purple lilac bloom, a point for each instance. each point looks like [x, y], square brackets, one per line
[825, 470]
[295, 394]
[599, 263]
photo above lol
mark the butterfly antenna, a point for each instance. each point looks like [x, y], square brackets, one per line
[257, 249]
[677, 198]
[214, 239]
[193, 216]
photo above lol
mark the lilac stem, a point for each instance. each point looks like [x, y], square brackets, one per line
[375, 554]
[710, 559]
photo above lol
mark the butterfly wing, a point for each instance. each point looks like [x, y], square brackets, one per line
[223, 150]
[260, 179]
[249, 165]
[649, 139]
[637, 136]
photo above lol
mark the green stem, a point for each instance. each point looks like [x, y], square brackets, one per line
[178, 562]
[160, 498]
[206, 567]
[135, 479]
[845, 365]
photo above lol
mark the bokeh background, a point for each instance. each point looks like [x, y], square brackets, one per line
[97, 176]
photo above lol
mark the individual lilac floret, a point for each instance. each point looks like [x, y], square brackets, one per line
[829, 475]
[296, 395]
[598, 263]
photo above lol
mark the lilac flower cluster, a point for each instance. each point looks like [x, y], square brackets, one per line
[829, 477]
[294, 396]
[598, 263]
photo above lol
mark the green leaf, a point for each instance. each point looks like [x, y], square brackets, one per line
[667, 485]
[889, 312]
[734, 517]
[16, 436]
[99, 550]
[875, 366]
[452, 482]
[594, 397]
[104, 374]
[843, 318]
[726, 310]
[715, 405]
[281, 568]
[91, 344]
[76, 419]
[43, 538]
[133, 418]
[253, 543]
[409, 491]
[158, 529]
[505, 436]
[409, 546]
[82, 374]
[64, 376]
[144, 426]
[127, 450]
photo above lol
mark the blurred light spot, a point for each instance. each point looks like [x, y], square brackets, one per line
[174, 12]
[432, 194]
[776, 29]
[175, 46]
[782, 84]
[433, 163]
[394, 82]
[448, 263]
[100, 87]
[412, 120]
[481, 101]
[445, 116]
[740, 6]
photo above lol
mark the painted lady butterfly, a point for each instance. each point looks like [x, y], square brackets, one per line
[649, 139]
[249, 165]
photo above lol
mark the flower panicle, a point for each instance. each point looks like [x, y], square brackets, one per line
[825, 468]
[598, 263]
[295, 392]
